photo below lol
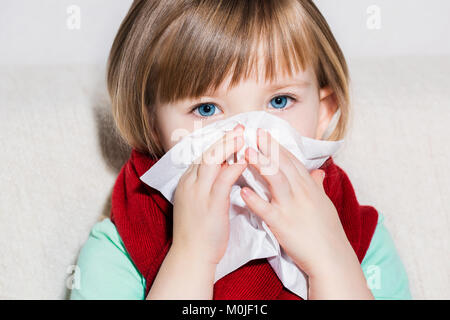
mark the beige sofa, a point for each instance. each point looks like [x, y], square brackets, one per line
[60, 157]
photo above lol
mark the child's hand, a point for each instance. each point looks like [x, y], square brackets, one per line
[300, 214]
[202, 201]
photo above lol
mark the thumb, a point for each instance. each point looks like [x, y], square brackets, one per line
[318, 176]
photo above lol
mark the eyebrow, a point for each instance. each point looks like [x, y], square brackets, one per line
[277, 86]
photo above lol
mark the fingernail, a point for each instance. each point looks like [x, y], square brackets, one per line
[246, 192]
[239, 127]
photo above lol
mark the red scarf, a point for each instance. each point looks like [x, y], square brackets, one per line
[143, 218]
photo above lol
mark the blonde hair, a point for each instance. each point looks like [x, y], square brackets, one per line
[167, 50]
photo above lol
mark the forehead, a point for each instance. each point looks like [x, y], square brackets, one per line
[281, 78]
[301, 78]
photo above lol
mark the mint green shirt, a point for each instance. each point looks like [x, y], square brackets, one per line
[106, 271]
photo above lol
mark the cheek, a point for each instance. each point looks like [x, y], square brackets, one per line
[172, 127]
[164, 131]
[165, 137]
[304, 119]
[170, 135]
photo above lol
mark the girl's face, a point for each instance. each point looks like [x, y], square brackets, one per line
[296, 99]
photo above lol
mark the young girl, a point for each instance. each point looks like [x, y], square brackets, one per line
[177, 62]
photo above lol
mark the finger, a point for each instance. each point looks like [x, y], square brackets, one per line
[190, 175]
[215, 156]
[305, 179]
[218, 153]
[237, 131]
[227, 177]
[214, 159]
[279, 185]
[276, 152]
[259, 206]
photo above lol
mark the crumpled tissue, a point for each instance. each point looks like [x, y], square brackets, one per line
[250, 237]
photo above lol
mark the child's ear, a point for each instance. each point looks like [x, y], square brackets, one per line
[327, 108]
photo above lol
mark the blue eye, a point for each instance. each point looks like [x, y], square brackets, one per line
[205, 110]
[279, 102]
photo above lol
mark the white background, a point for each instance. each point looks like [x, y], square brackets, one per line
[36, 32]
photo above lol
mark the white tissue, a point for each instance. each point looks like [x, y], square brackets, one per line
[250, 238]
